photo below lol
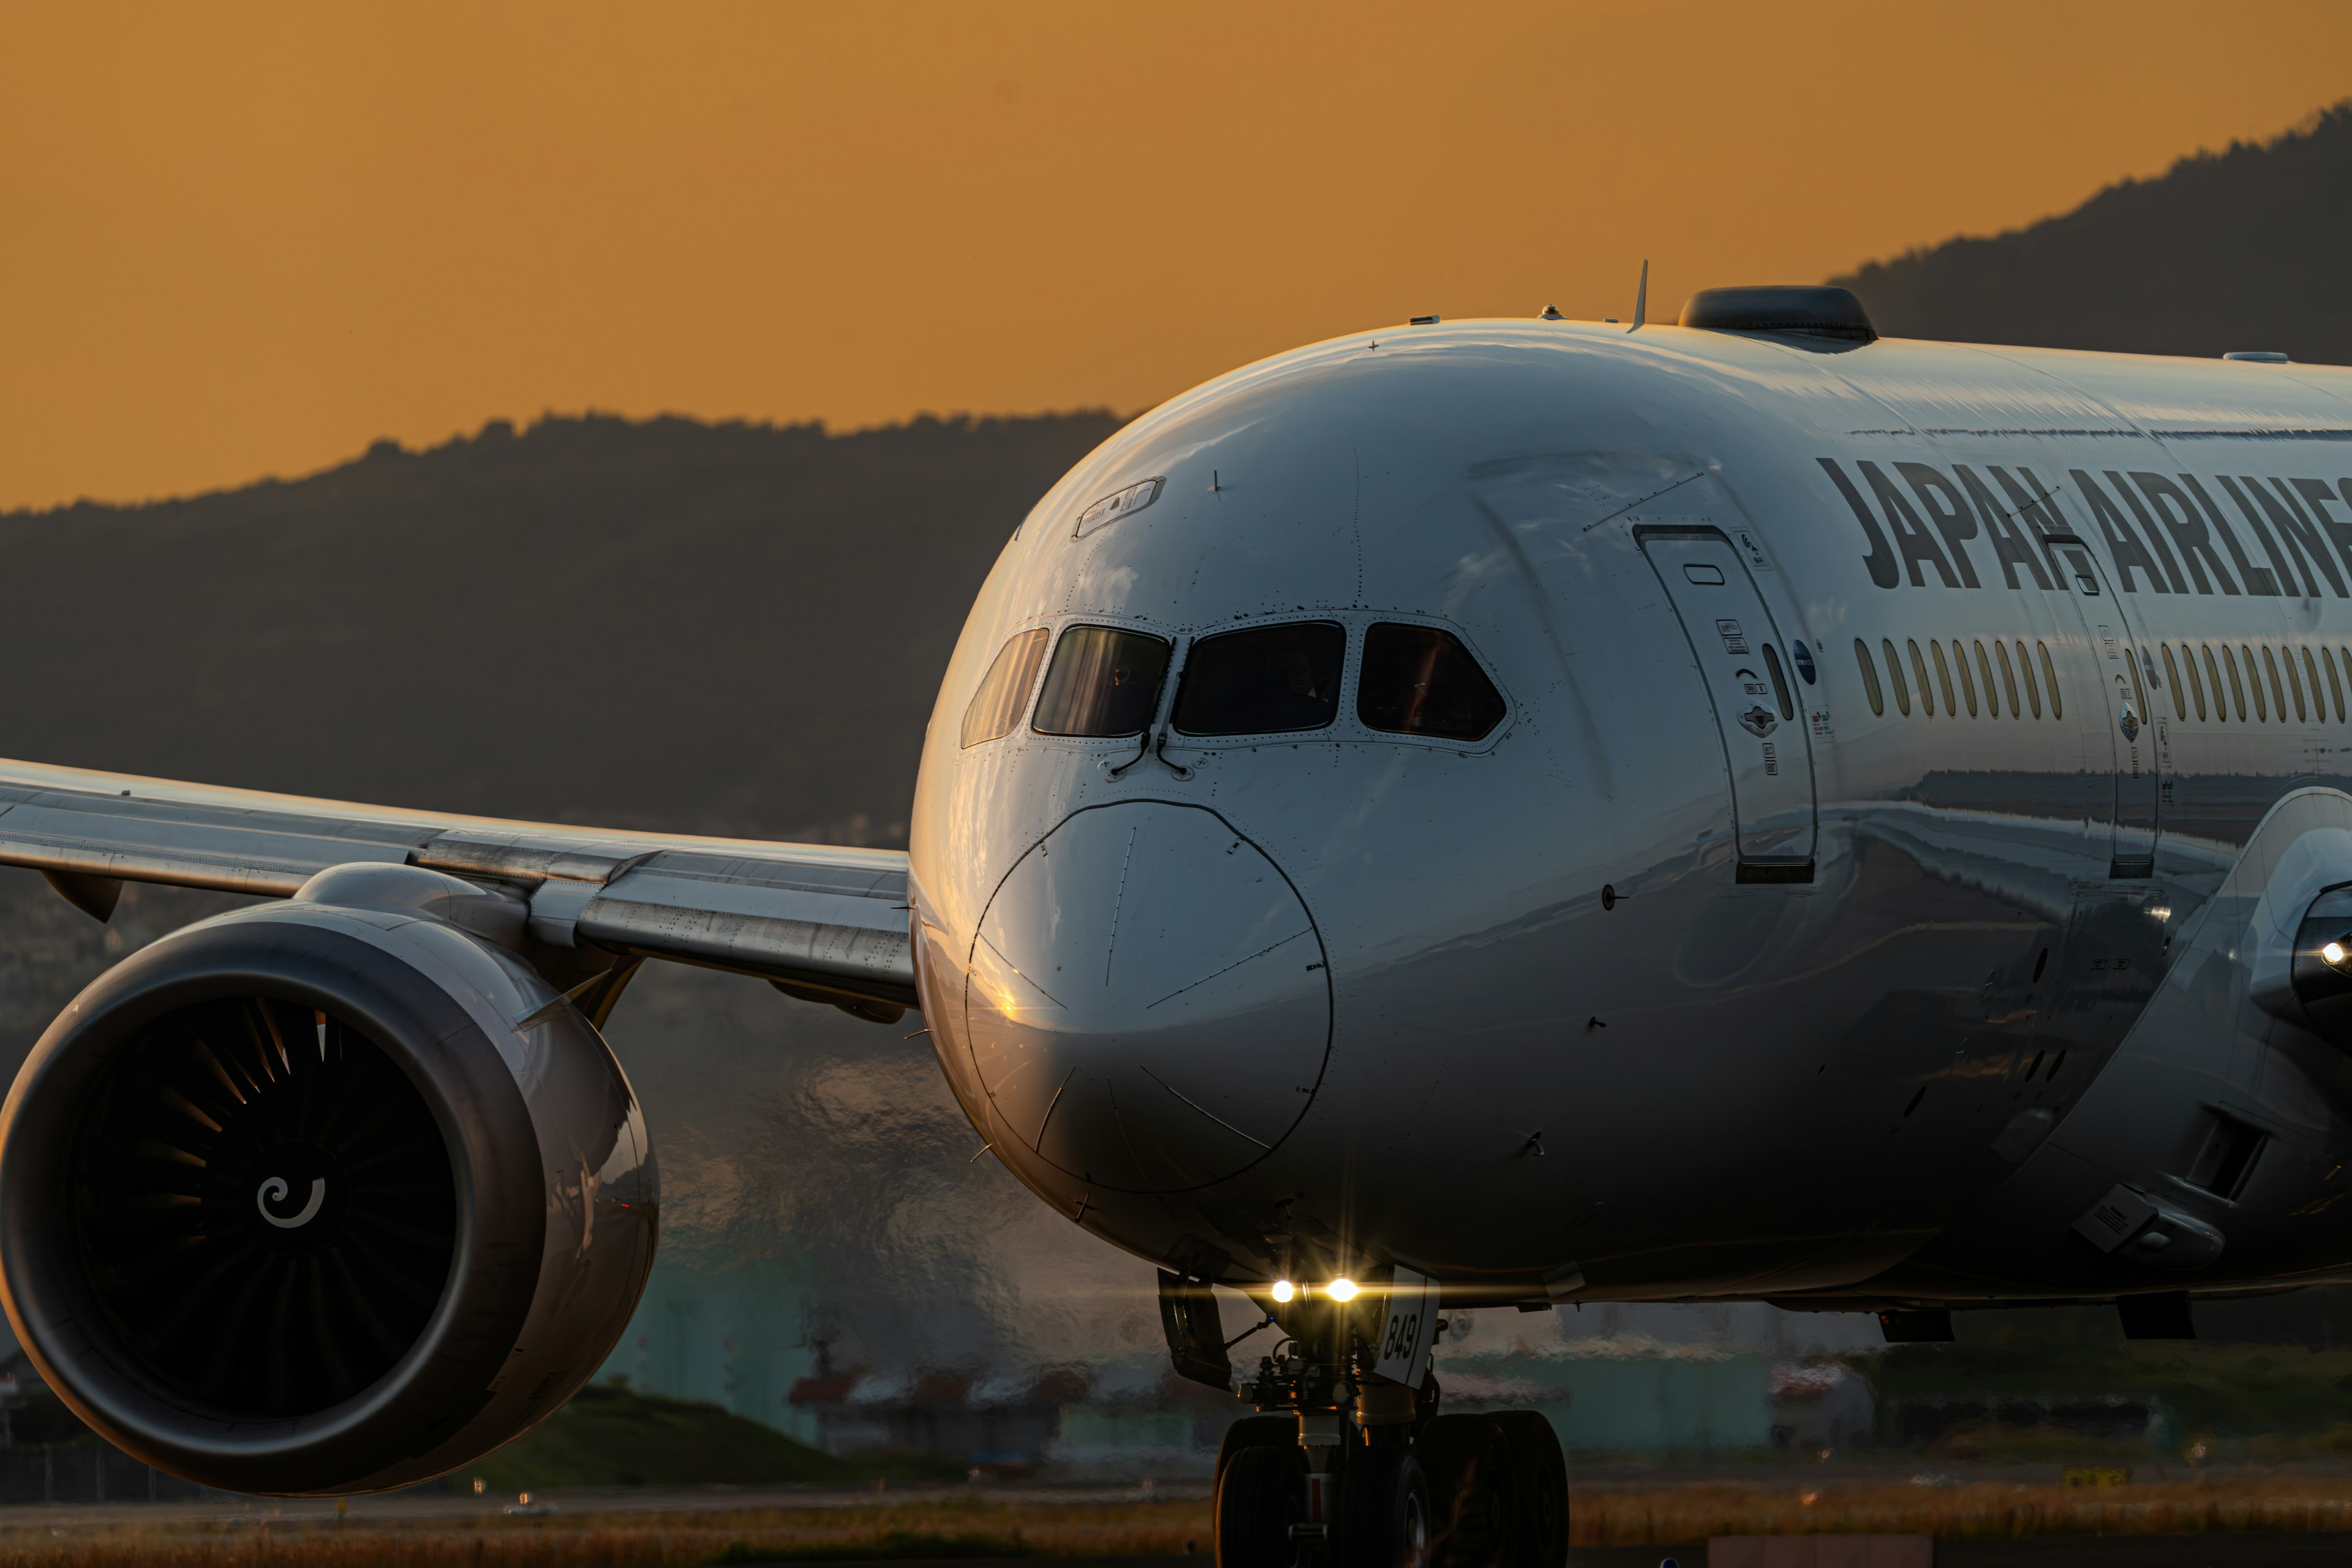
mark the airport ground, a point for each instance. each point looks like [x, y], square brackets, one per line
[2283, 1515]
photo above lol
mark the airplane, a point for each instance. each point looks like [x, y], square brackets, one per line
[1484, 813]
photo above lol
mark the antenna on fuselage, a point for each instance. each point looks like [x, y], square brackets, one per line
[1641, 298]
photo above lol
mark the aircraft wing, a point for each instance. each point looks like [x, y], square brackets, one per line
[814, 917]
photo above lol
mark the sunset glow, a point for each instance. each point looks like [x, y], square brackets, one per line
[251, 240]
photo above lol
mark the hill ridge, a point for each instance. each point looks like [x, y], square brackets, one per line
[578, 431]
[2239, 249]
[726, 628]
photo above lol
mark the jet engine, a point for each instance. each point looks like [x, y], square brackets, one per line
[324, 1197]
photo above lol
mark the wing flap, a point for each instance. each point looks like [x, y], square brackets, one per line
[844, 954]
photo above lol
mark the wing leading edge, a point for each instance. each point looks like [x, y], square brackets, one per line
[819, 920]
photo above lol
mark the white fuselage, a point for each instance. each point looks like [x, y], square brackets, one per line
[1249, 1004]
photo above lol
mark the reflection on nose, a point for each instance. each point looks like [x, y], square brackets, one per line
[1147, 1001]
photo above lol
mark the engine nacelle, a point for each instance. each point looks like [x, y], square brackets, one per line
[324, 1197]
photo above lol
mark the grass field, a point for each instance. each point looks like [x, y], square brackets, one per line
[951, 1529]
[611, 1436]
[976, 1527]
[2262, 1400]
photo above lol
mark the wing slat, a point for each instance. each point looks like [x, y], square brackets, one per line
[816, 915]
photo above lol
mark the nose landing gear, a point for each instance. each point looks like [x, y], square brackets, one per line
[1470, 1492]
[1371, 1507]
[1347, 1468]
[1262, 1498]
[1385, 1514]
[1480, 1491]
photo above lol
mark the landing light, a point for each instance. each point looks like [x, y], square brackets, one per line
[1283, 1290]
[2334, 952]
[1341, 1289]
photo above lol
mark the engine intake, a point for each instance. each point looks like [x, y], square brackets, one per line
[324, 1197]
[247, 1153]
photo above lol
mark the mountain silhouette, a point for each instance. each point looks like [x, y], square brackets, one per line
[662, 623]
[2242, 248]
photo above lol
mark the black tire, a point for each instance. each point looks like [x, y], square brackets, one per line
[1385, 1519]
[1474, 1487]
[1543, 1488]
[1261, 1493]
[1256, 1432]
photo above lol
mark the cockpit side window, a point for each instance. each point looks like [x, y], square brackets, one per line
[1419, 681]
[1103, 681]
[1268, 678]
[996, 705]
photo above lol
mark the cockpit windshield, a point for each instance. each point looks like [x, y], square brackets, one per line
[1419, 681]
[1264, 680]
[1103, 681]
[996, 707]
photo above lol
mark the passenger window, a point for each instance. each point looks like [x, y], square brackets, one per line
[996, 705]
[1780, 684]
[2254, 680]
[2334, 686]
[2196, 683]
[1418, 680]
[2278, 698]
[1869, 679]
[2294, 685]
[2318, 700]
[1895, 677]
[2237, 687]
[1265, 678]
[1104, 681]
[1944, 678]
[1968, 681]
[2172, 677]
[2050, 679]
[2008, 679]
[1926, 692]
[1992, 692]
[2026, 673]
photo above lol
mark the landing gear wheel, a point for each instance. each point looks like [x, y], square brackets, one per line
[1475, 1486]
[1256, 1432]
[1261, 1493]
[1543, 1488]
[1384, 1514]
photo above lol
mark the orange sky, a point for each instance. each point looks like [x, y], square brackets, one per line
[245, 240]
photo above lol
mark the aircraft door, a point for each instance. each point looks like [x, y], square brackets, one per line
[1751, 684]
[2139, 738]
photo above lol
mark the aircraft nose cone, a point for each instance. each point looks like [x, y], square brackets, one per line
[1148, 1004]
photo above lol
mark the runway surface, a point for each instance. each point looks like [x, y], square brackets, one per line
[2212, 1551]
